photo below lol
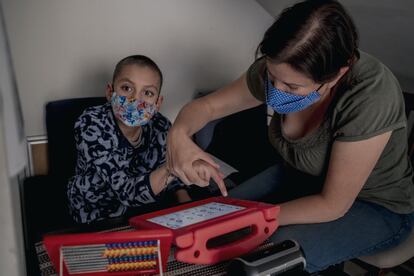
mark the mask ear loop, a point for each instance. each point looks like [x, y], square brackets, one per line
[156, 101]
[266, 81]
[320, 86]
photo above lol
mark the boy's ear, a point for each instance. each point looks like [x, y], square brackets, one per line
[159, 102]
[109, 91]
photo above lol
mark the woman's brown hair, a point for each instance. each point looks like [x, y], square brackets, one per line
[315, 37]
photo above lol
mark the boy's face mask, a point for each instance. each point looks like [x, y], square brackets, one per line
[284, 102]
[132, 113]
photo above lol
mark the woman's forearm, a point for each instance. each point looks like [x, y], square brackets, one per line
[309, 209]
[230, 99]
[192, 117]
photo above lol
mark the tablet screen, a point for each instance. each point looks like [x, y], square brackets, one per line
[195, 215]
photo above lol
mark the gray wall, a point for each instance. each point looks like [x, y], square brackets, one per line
[64, 49]
[386, 29]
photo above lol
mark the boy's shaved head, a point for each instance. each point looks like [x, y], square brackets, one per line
[138, 60]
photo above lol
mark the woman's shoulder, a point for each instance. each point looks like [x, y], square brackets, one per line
[373, 104]
[373, 84]
[255, 78]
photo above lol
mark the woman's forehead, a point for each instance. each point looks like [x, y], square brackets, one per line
[286, 73]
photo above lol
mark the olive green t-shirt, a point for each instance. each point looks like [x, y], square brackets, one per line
[374, 105]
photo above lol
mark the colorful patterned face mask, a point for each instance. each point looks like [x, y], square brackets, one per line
[132, 113]
[284, 102]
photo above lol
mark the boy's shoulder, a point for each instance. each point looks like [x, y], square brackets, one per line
[95, 115]
[97, 110]
[160, 123]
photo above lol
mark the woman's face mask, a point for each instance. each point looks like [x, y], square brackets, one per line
[132, 112]
[285, 102]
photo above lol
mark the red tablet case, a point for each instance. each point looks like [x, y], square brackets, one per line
[191, 240]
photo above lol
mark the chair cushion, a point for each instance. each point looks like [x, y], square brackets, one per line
[393, 257]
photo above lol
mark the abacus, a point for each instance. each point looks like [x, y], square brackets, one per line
[115, 253]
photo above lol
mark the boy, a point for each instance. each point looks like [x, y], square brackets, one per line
[121, 146]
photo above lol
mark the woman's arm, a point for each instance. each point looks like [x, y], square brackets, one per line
[349, 167]
[181, 150]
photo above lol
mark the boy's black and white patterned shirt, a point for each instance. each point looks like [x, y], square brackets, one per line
[111, 175]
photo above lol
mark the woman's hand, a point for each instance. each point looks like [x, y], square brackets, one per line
[182, 152]
[191, 164]
[205, 171]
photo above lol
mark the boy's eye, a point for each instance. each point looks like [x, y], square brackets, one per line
[127, 88]
[149, 93]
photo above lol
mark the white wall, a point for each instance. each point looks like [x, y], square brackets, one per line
[12, 164]
[386, 29]
[12, 258]
[64, 49]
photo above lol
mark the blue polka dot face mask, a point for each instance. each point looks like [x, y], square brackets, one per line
[285, 102]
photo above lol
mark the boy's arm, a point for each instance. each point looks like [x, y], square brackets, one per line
[182, 196]
[99, 167]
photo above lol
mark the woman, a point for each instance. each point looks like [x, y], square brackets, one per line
[339, 117]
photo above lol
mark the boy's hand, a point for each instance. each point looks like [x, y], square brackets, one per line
[206, 171]
[182, 196]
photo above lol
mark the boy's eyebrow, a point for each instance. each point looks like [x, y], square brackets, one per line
[150, 85]
[125, 79]
[146, 86]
